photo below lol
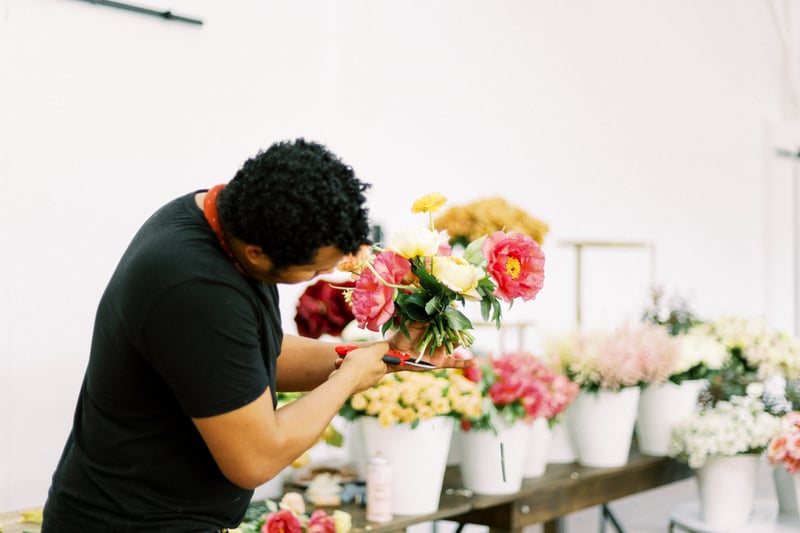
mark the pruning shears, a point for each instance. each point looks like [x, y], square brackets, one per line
[392, 357]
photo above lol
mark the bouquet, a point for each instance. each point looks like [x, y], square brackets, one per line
[700, 354]
[289, 516]
[483, 217]
[517, 386]
[322, 310]
[408, 397]
[730, 427]
[628, 356]
[784, 448]
[754, 354]
[418, 279]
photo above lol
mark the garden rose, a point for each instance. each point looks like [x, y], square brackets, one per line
[283, 521]
[320, 522]
[458, 275]
[322, 309]
[373, 300]
[516, 263]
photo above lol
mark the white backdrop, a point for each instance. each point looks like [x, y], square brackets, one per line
[619, 120]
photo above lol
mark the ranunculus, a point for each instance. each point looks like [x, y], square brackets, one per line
[516, 263]
[371, 300]
[282, 522]
[322, 309]
[415, 242]
[430, 203]
[458, 275]
[294, 502]
[320, 522]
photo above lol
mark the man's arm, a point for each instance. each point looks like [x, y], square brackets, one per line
[253, 443]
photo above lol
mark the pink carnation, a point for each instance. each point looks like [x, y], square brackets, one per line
[516, 263]
[372, 300]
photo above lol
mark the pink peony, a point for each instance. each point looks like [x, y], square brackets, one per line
[372, 300]
[320, 522]
[282, 522]
[516, 263]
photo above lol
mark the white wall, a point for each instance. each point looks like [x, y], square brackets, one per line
[615, 120]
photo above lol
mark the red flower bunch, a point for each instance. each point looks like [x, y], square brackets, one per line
[418, 279]
[784, 448]
[518, 386]
[322, 309]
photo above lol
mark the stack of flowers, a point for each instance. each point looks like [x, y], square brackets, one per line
[628, 356]
[483, 217]
[740, 425]
[517, 387]
[289, 516]
[419, 280]
[784, 448]
[700, 354]
[409, 397]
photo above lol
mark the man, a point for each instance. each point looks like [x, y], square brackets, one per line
[176, 422]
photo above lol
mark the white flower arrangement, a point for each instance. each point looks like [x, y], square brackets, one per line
[698, 353]
[764, 351]
[731, 427]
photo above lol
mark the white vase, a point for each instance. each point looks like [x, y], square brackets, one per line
[539, 445]
[562, 448]
[660, 408]
[787, 489]
[602, 424]
[494, 464]
[418, 458]
[727, 488]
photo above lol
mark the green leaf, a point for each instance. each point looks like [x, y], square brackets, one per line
[473, 254]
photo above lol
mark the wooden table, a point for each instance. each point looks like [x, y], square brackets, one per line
[563, 489]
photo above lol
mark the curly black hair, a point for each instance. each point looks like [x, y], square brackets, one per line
[293, 199]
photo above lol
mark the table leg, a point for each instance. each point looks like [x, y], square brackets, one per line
[555, 526]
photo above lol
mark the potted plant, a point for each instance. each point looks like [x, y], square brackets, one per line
[723, 443]
[610, 366]
[520, 392]
[783, 453]
[409, 417]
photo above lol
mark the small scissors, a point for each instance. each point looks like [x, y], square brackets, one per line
[392, 357]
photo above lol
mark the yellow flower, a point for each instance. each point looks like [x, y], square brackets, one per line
[430, 203]
[302, 461]
[458, 275]
[359, 402]
[342, 521]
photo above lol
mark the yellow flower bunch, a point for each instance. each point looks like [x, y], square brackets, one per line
[408, 397]
[467, 223]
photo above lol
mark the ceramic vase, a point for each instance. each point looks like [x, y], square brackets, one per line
[660, 408]
[538, 447]
[602, 425]
[727, 487]
[787, 489]
[494, 463]
[418, 459]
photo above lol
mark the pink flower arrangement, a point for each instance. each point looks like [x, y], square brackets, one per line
[418, 279]
[784, 448]
[289, 516]
[519, 386]
[627, 356]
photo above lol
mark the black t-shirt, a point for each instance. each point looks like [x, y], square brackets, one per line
[179, 333]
